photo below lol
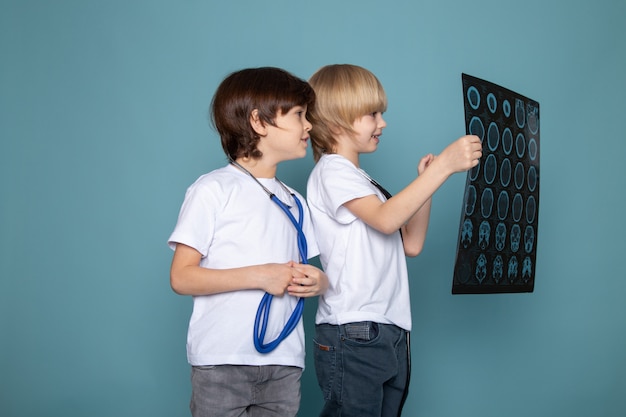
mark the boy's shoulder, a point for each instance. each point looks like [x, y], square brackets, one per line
[220, 181]
[218, 175]
[334, 162]
[332, 170]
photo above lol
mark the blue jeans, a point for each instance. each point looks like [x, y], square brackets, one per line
[363, 369]
[236, 390]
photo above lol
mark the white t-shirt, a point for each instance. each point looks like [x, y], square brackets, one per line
[367, 273]
[231, 221]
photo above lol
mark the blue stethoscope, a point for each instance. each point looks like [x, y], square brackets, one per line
[263, 312]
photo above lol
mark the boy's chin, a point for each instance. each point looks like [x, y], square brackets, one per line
[297, 156]
[372, 149]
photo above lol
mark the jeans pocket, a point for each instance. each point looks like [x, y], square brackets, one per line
[364, 331]
[325, 357]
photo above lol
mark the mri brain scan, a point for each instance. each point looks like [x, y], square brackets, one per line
[466, 233]
[497, 243]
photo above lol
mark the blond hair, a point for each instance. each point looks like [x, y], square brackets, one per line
[343, 94]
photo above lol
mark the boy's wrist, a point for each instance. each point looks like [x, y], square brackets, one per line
[438, 169]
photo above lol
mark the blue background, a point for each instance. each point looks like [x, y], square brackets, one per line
[103, 125]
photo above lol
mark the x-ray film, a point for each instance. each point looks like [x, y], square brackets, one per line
[497, 246]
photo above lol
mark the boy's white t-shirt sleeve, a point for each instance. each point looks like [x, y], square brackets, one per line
[195, 225]
[342, 182]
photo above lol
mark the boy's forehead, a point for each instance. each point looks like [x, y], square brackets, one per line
[296, 108]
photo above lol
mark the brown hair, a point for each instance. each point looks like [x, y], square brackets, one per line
[269, 91]
[343, 94]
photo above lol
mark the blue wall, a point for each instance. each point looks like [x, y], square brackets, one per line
[103, 124]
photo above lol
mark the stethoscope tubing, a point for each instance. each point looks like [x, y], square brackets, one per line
[263, 312]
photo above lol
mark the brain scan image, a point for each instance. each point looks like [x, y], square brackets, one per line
[513, 266]
[497, 244]
[529, 239]
[520, 113]
[481, 268]
[466, 234]
[474, 172]
[532, 149]
[477, 128]
[486, 202]
[533, 118]
[520, 145]
[484, 231]
[491, 169]
[503, 205]
[492, 102]
[507, 141]
[506, 108]
[498, 269]
[517, 206]
[531, 181]
[527, 266]
[516, 237]
[505, 173]
[531, 209]
[470, 202]
[500, 236]
[519, 175]
[493, 136]
[473, 97]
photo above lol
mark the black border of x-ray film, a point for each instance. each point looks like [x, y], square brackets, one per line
[497, 242]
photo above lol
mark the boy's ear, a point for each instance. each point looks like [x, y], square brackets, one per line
[257, 124]
[336, 130]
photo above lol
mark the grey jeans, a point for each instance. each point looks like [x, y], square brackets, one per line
[239, 390]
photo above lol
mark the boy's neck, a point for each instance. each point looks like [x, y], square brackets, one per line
[349, 155]
[258, 167]
[344, 146]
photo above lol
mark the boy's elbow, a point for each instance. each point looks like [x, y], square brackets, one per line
[412, 250]
[175, 287]
[387, 228]
[176, 283]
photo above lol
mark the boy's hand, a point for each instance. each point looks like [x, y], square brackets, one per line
[307, 281]
[424, 163]
[276, 278]
[463, 154]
